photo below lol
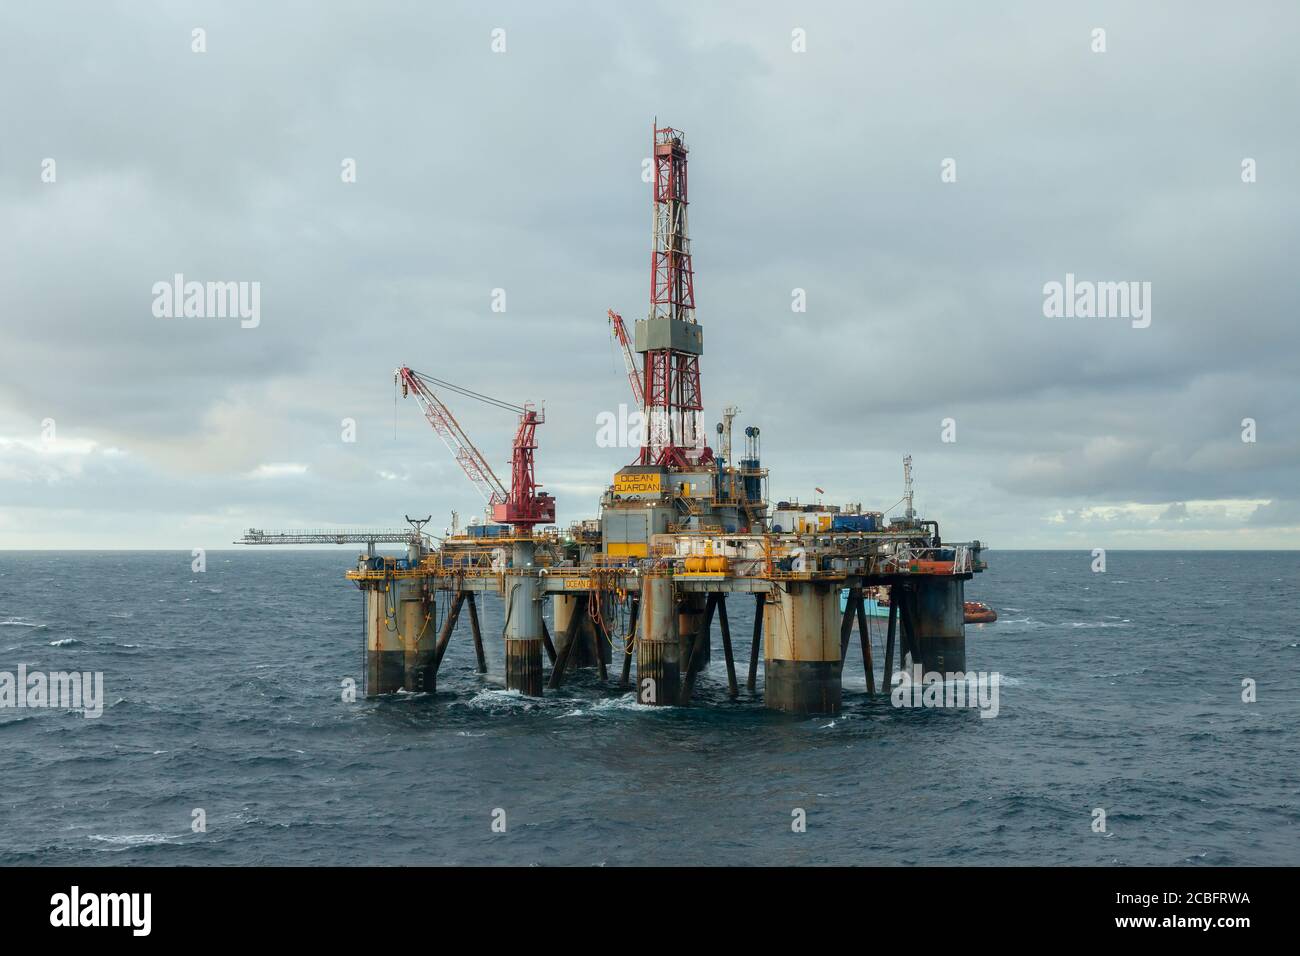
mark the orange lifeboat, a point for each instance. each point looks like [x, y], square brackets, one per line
[978, 613]
[931, 567]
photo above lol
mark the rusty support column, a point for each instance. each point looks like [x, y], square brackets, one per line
[385, 655]
[802, 649]
[523, 624]
[658, 671]
[940, 624]
[419, 640]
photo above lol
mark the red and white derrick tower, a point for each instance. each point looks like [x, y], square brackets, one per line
[670, 338]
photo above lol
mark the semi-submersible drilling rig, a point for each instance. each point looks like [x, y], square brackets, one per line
[680, 530]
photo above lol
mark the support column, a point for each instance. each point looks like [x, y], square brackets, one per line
[628, 648]
[419, 639]
[385, 656]
[889, 642]
[546, 642]
[523, 611]
[802, 649]
[477, 633]
[690, 617]
[658, 673]
[864, 638]
[698, 643]
[444, 639]
[905, 597]
[725, 626]
[846, 623]
[760, 601]
[591, 639]
[569, 638]
[940, 624]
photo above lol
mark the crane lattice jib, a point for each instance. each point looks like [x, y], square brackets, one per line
[467, 455]
[633, 374]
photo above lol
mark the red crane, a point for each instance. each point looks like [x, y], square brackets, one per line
[672, 375]
[523, 505]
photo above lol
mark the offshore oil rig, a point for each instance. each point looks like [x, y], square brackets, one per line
[680, 530]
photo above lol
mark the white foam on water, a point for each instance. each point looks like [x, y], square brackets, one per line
[611, 705]
[499, 699]
[626, 702]
[65, 642]
[16, 622]
[134, 839]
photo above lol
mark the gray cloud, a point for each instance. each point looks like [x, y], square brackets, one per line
[522, 171]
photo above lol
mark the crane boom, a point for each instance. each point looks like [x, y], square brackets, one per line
[633, 375]
[524, 505]
[465, 452]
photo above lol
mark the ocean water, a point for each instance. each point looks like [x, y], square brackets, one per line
[1120, 691]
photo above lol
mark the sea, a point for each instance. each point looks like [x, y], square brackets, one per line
[1147, 714]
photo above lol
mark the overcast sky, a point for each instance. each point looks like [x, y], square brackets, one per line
[521, 170]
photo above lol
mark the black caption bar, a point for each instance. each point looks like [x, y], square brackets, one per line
[211, 905]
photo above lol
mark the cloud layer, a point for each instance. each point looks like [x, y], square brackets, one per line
[522, 171]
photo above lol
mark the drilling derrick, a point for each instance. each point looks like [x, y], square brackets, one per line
[670, 338]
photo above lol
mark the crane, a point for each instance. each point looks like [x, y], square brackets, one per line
[523, 505]
[633, 376]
